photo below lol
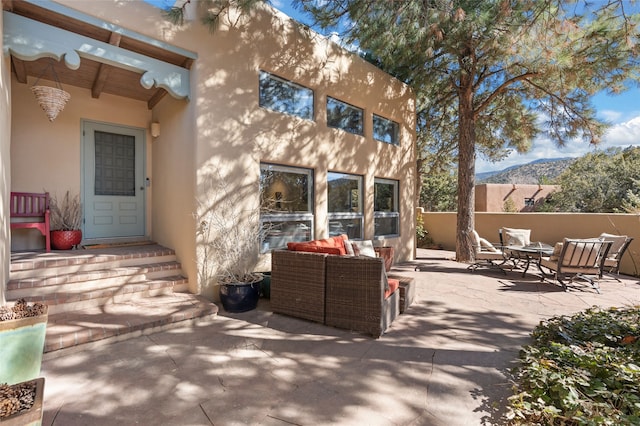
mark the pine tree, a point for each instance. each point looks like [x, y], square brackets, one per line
[491, 75]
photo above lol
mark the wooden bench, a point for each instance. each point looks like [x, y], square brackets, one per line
[25, 208]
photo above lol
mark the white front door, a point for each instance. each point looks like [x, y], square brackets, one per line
[114, 184]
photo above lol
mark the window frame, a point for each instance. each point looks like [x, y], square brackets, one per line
[338, 216]
[395, 138]
[270, 220]
[349, 106]
[265, 74]
[394, 214]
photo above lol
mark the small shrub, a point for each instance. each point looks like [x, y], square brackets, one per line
[580, 370]
[509, 206]
[424, 240]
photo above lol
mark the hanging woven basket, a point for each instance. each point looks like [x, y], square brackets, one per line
[51, 99]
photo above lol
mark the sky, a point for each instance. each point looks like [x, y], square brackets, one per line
[622, 112]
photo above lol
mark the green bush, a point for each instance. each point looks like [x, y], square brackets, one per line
[580, 370]
[424, 240]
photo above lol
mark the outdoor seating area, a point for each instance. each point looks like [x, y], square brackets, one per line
[587, 259]
[445, 360]
[325, 281]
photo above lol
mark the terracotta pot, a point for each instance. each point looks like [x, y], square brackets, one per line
[65, 240]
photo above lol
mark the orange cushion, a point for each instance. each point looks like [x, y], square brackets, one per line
[333, 245]
[393, 286]
[310, 248]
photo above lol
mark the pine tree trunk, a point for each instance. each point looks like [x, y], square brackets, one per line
[466, 171]
[419, 163]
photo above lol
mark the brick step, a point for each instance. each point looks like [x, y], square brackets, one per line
[72, 331]
[81, 263]
[89, 280]
[80, 298]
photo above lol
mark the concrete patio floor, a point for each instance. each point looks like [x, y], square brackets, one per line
[445, 361]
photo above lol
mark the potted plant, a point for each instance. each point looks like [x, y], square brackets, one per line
[229, 241]
[66, 221]
[22, 336]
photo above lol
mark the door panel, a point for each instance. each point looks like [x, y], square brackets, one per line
[114, 199]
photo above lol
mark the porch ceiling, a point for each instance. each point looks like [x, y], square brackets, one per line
[95, 75]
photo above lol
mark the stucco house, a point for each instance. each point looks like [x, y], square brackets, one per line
[261, 101]
[495, 197]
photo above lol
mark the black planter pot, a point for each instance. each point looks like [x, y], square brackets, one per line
[266, 285]
[240, 297]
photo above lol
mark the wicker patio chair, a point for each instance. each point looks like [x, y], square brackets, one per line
[298, 284]
[578, 259]
[356, 295]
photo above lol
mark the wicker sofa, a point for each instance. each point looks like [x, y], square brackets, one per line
[350, 292]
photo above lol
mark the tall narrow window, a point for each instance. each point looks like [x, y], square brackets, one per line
[386, 213]
[345, 205]
[285, 96]
[385, 130]
[344, 116]
[286, 205]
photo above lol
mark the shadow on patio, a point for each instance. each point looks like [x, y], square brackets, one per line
[443, 362]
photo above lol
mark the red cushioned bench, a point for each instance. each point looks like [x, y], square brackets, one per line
[30, 210]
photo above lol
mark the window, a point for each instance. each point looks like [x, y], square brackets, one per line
[344, 116]
[345, 205]
[284, 96]
[386, 214]
[286, 205]
[529, 202]
[115, 159]
[385, 130]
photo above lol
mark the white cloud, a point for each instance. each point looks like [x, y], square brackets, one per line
[623, 134]
[610, 115]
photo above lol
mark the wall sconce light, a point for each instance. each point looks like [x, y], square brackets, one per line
[155, 129]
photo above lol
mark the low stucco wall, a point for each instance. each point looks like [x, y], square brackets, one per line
[545, 227]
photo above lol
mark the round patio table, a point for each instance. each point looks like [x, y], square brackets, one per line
[528, 253]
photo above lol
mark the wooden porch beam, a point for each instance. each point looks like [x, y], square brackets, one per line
[104, 69]
[160, 93]
[30, 40]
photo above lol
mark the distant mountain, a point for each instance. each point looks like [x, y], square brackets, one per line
[529, 173]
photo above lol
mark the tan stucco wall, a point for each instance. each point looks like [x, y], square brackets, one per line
[47, 155]
[5, 167]
[173, 183]
[222, 133]
[236, 134]
[545, 227]
[492, 197]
